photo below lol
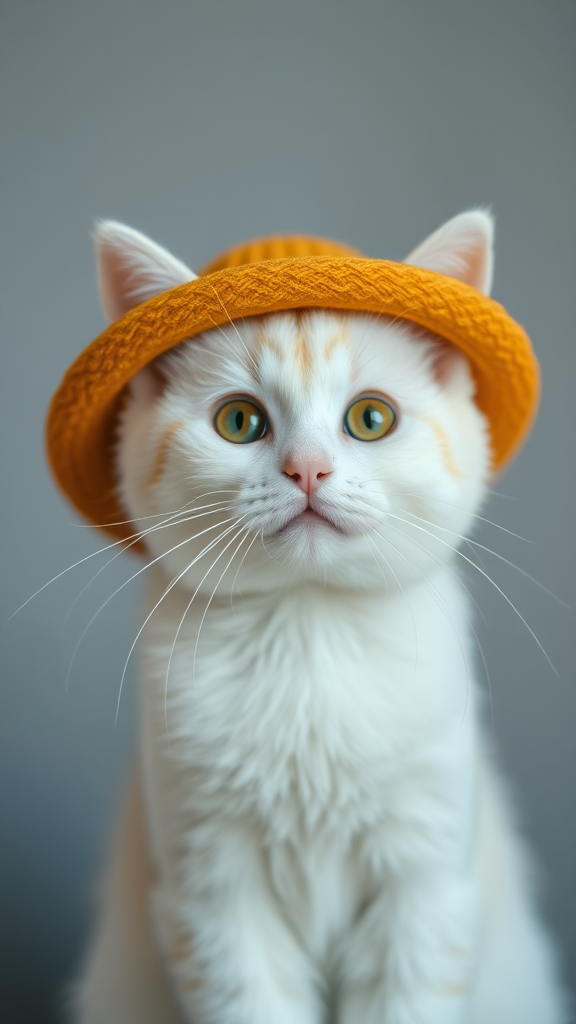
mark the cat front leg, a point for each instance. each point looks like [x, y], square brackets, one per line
[409, 960]
[123, 980]
[231, 955]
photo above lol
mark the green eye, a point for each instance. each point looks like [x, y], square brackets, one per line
[240, 421]
[368, 419]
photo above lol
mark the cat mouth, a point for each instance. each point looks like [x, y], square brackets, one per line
[310, 519]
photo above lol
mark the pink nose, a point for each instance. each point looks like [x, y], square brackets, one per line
[307, 474]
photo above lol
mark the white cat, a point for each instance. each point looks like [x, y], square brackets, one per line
[316, 832]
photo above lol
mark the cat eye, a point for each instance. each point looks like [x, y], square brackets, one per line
[240, 421]
[369, 418]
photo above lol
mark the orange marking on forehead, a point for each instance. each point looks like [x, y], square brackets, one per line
[302, 350]
[340, 337]
[444, 445]
[162, 452]
[265, 341]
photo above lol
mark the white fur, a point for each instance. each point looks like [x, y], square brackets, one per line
[328, 836]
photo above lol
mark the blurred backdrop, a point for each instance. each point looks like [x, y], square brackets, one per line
[202, 123]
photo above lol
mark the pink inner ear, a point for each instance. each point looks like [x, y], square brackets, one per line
[111, 282]
[476, 271]
[461, 248]
[131, 268]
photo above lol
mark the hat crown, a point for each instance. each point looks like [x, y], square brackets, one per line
[277, 247]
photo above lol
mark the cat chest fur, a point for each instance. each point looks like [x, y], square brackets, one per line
[316, 715]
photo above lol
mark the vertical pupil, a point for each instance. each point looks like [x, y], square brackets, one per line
[239, 419]
[367, 416]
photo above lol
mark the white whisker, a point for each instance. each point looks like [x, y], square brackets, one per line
[148, 565]
[142, 569]
[486, 576]
[474, 515]
[434, 592]
[233, 325]
[448, 568]
[156, 515]
[160, 526]
[123, 543]
[245, 531]
[256, 535]
[404, 595]
[443, 565]
[187, 609]
[166, 592]
[483, 547]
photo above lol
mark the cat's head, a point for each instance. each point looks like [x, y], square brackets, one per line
[339, 447]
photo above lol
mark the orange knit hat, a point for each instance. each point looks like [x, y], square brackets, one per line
[264, 277]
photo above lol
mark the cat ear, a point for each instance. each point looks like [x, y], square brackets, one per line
[461, 248]
[131, 268]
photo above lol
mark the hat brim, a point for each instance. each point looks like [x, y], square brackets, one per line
[81, 426]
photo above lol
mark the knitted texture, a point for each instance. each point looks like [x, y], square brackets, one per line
[84, 411]
[278, 248]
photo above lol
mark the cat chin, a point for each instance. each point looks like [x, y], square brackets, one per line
[312, 541]
[311, 547]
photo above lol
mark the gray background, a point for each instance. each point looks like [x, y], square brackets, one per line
[204, 123]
